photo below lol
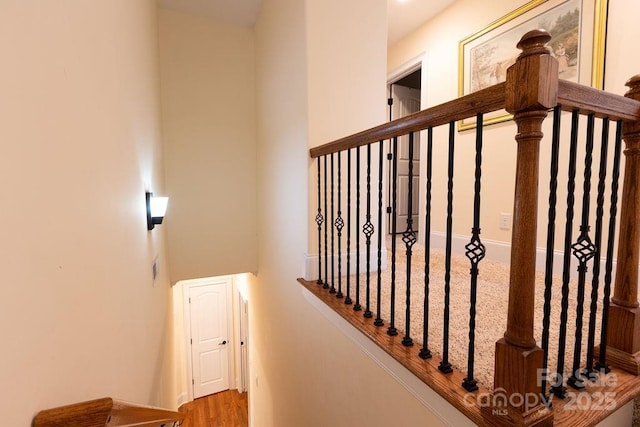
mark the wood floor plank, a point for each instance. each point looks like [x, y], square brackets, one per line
[226, 409]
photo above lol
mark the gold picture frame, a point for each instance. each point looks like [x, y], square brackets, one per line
[578, 34]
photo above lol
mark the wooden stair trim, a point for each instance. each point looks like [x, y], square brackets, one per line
[567, 412]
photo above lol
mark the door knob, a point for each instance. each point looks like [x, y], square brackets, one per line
[223, 342]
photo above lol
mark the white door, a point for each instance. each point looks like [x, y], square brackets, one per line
[406, 101]
[209, 340]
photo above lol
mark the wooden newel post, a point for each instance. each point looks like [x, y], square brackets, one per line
[531, 90]
[623, 332]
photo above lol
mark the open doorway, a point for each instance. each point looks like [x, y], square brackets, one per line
[405, 93]
[211, 335]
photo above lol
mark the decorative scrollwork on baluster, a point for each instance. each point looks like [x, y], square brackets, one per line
[475, 249]
[409, 238]
[584, 250]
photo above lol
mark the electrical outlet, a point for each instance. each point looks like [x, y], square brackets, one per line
[505, 221]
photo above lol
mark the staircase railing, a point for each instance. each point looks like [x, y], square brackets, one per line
[524, 379]
[107, 412]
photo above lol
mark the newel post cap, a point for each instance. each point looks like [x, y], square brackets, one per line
[634, 87]
[631, 130]
[532, 82]
[534, 43]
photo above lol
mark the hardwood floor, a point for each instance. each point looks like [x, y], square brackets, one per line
[226, 409]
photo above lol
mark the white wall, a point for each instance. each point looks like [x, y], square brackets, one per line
[208, 120]
[80, 317]
[304, 372]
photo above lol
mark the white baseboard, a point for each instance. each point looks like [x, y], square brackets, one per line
[501, 252]
[495, 250]
[182, 399]
[311, 263]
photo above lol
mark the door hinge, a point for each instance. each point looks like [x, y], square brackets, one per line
[193, 382]
[389, 101]
[389, 156]
[191, 341]
[189, 300]
[388, 209]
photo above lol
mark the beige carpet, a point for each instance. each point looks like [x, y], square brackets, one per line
[491, 314]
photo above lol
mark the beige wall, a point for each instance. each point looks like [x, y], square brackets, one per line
[208, 120]
[296, 355]
[304, 372]
[80, 317]
[282, 126]
[337, 94]
[438, 39]
[622, 30]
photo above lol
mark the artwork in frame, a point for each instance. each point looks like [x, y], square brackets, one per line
[578, 32]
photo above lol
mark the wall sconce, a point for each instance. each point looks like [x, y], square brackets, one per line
[156, 208]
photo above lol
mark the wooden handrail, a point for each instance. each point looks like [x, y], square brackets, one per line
[482, 101]
[106, 412]
[588, 100]
[571, 96]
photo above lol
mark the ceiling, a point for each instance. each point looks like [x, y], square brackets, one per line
[407, 15]
[403, 16]
[236, 12]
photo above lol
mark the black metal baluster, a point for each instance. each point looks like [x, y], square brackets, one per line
[445, 366]
[339, 225]
[368, 230]
[319, 221]
[559, 389]
[551, 231]
[332, 290]
[409, 239]
[595, 282]
[326, 236]
[348, 300]
[392, 315]
[425, 353]
[357, 306]
[475, 251]
[583, 250]
[379, 321]
[613, 211]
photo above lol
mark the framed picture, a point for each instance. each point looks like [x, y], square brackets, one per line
[578, 32]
